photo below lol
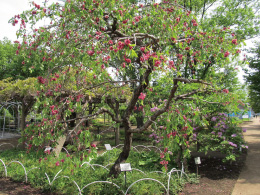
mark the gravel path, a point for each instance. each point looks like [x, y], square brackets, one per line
[248, 182]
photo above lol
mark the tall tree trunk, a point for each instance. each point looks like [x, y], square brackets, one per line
[118, 127]
[115, 169]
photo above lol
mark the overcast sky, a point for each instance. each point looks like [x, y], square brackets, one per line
[9, 8]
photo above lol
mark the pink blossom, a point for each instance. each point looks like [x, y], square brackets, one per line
[53, 112]
[157, 63]
[234, 41]
[127, 41]
[225, 90]
[162, 155]
[90, 53]
[142, 96]
[41, 80]
[226, 54]
[57, 163]
[140, 108]
[164, 162]
[128, 60]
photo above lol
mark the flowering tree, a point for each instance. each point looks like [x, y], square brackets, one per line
[92, 47]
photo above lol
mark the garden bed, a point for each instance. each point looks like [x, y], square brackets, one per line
[216, 177]
[69, 174]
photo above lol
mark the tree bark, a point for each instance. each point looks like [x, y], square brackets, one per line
[118, 127]
[115, 169]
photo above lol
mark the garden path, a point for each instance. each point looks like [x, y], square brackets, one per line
[248, 182]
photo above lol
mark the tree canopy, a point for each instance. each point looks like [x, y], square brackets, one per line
[13, 66]
[253, 78]
[99, 45]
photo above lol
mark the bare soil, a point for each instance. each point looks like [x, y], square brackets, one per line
[216, 177]
[9, 187]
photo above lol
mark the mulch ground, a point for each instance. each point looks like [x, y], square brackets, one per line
[9, 187]
[216, 177]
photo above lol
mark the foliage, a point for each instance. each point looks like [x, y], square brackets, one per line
[13, 66]
[17, 89]
[241, 15]
[71, 166]
[253, 78]
[222, 135]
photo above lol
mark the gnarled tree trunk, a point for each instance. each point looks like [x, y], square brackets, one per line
[115, 170]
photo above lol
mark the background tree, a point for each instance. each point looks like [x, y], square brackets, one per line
[253, 78]
[13, 66]
[240, 15]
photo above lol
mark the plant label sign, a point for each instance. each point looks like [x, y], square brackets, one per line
[125, 167]
[197, 161]
[108, 147]
[47, 148]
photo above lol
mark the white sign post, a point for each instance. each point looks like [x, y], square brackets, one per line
[197, 162]
[108, 147]
[124, 168]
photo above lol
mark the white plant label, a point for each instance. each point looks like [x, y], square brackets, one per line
[125, 167]
[47, 148]
[197, 161]
[108, 147]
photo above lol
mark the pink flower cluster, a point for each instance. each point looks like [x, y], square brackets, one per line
[142, 96]
[41, 80]
[225, 90]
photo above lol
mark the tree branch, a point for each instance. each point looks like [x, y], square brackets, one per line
[92, 116]
[158, 112]
[166, 107]
[192, 81]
